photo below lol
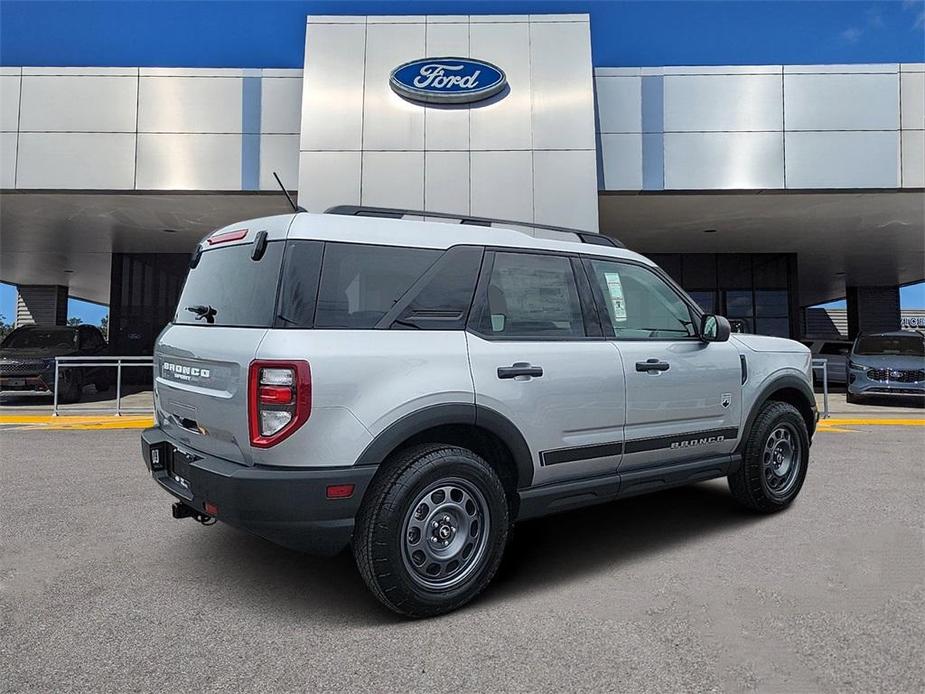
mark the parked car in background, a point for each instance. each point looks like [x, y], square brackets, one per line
[887, 364]
[835, 353]
[27, 360]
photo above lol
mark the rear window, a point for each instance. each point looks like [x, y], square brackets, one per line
[232, 288]
[900, 345]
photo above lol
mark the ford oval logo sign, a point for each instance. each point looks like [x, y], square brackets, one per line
[447, 80]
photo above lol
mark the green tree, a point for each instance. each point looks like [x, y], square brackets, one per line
[74, 321]
[5, 328]
[104, 327]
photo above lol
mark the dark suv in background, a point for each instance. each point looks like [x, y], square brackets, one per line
[27, 360]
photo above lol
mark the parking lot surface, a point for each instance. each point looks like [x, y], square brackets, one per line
[679, 591]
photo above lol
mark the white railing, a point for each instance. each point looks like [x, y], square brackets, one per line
[823, 365]
[103, 362]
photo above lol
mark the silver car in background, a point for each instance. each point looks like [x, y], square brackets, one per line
[887, 364]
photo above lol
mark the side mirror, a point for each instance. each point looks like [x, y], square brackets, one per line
[714, 328]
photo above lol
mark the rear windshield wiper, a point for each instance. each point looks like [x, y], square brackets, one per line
[206, 313]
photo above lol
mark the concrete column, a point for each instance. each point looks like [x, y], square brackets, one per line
[872, 310]
[41, 304]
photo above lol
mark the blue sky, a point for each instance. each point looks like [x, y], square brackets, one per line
[271, 33]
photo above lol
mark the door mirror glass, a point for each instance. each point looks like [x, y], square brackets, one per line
[714, 328]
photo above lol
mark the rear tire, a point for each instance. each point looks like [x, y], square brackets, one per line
[432, 530]
[775, 459]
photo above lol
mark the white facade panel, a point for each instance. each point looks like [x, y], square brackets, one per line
[447, 128]
[389, 121]
[723, 103]
[621, 156]
[912, 92]
[88, 161]
[562, 85]
[503, 122]
[393, 179]
[565, 188]
[843, 159]
[78, 104]
[332, 94]
[7, 160]
[9, 102]
[279, 153]
[705, 161]
[180, 161]
[280, 105]
[619, 104]
[328, 178]
[446, 182]
[913, 165]
[501, 185]
[190, 105]
[841, 101]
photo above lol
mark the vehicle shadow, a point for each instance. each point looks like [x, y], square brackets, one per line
[543, 552]
[556, 549]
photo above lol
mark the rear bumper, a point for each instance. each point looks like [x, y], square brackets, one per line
[288, 507]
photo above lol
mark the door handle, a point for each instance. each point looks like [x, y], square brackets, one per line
[652, 365]
[520, 368]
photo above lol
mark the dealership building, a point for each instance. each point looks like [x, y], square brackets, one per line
[762, 189]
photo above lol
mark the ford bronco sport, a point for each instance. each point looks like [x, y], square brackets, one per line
[411, 388]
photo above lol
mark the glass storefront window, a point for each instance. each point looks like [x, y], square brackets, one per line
[705, 300]
[739, 303]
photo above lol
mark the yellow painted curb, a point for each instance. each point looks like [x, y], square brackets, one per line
[866, 421]
[40, 421]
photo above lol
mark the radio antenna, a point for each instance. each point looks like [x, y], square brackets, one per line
[295, 208]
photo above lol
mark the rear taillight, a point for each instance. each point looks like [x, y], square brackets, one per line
[279, 399]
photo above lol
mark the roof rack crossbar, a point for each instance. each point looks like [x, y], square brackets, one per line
[398, 213]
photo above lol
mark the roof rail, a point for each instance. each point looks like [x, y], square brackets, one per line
[399, 213]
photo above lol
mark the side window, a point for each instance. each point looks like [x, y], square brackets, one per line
[638, 303]
[360, 283]
[442, 302]
[531, 296]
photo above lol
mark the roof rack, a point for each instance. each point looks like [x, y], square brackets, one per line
[399, 213]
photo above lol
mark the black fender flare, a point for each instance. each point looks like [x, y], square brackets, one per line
[468, 414]
[787, 381]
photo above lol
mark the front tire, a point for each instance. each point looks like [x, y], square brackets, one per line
[432, 530]
[775, 459]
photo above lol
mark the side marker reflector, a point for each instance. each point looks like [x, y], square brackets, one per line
[339, 491]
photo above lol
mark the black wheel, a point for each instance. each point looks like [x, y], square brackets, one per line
[102, 384]
[775, 458]
[432, 530]
[70, 387]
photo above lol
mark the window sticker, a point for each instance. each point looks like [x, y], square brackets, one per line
[615, 289]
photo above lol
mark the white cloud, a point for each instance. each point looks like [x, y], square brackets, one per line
[851, 34]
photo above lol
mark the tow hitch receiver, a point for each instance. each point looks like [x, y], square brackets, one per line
[181, 510]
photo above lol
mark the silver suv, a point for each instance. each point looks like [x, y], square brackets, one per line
[411, 388]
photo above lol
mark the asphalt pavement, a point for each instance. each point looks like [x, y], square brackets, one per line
[101, 590]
